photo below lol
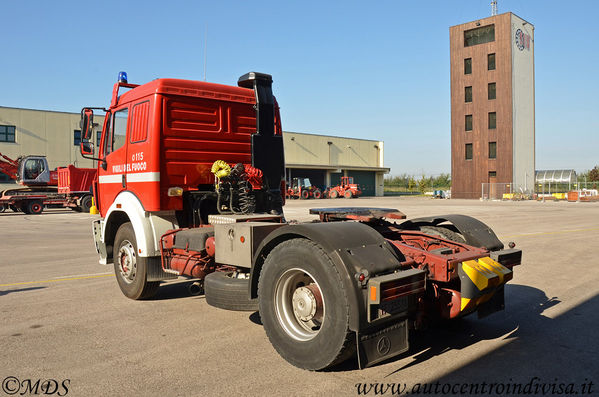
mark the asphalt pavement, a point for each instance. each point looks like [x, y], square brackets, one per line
[65, 322]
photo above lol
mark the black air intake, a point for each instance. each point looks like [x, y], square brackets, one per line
[267, 148]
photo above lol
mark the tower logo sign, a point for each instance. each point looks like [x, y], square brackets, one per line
[522, 40]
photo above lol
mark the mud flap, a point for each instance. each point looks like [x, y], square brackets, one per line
[100, 246]
[495, 304]
[383, 344]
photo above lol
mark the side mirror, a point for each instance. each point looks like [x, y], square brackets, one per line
[86, 124]
[87, 148]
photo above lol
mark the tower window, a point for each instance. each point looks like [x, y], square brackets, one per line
[484, 34]
[492, 120]
[491, 61]
[492, 94]
[492, 150]
[468, 94]
[468, 66]
[468, 122]
[468, 151]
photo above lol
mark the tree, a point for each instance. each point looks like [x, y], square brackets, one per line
[594, 174]
[423, 183]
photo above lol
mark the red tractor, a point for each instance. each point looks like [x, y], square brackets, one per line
[302, 188]
[347, 188]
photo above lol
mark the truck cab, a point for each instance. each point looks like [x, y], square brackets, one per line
[158, 144]
[34, 171]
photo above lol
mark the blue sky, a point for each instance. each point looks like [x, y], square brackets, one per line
[375, 70]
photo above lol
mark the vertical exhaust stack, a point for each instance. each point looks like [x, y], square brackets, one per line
[267, 148]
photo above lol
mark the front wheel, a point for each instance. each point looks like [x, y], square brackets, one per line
[317, 194]
[131, 269]
[304, 306]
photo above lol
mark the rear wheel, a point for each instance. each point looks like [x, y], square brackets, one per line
[305, 194]
[317, 194]
[304, 306]
[86, 204]
[443, 232]
[3, 207]
[334, 194]
[348, 194]
[131, 269]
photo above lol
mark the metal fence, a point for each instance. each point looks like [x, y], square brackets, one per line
[495, 191]
[558, 191]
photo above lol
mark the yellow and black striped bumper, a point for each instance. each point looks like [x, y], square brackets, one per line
[480, 280]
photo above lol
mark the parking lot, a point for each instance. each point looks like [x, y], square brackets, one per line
[64, 317]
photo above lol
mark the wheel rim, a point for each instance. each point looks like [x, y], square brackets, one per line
[127, 262]
[299, 304]
[35, 208]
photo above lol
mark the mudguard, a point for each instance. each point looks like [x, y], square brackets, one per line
[475, 232]
[353, 247]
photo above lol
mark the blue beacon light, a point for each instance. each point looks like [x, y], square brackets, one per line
[123, 77]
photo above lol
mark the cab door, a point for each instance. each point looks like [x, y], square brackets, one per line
[112, 172]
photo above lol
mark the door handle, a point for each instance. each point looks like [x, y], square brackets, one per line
[124, 181]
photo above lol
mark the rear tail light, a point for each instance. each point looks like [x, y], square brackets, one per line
[175, 191]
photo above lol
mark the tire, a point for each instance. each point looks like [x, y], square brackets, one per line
[305, 194]
[317, 194]
[33, 207]
[443, 232]
[334, 194]
[86, 204]
[312, 333]
[348, 194]
[225, 291]
[3, 207]
[14, 208]
[129, 268]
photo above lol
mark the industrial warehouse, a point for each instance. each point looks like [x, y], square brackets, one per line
[321, 158]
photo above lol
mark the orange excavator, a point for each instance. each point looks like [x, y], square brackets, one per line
[41, 185]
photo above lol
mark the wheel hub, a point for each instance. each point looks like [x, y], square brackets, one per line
[127, 262]
[306, 301]
[299, 305]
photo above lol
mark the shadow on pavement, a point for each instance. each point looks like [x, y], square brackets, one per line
[175, 290]
[524, 305]
[10, 291]
[556, 350]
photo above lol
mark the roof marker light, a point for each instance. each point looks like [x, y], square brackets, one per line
[123, 77]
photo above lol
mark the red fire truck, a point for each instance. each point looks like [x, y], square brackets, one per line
[196, 188]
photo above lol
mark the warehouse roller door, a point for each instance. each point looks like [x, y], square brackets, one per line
[366, 180]
[317, 177]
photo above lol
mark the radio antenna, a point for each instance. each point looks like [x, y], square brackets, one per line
[205, 50]
[493, 7]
